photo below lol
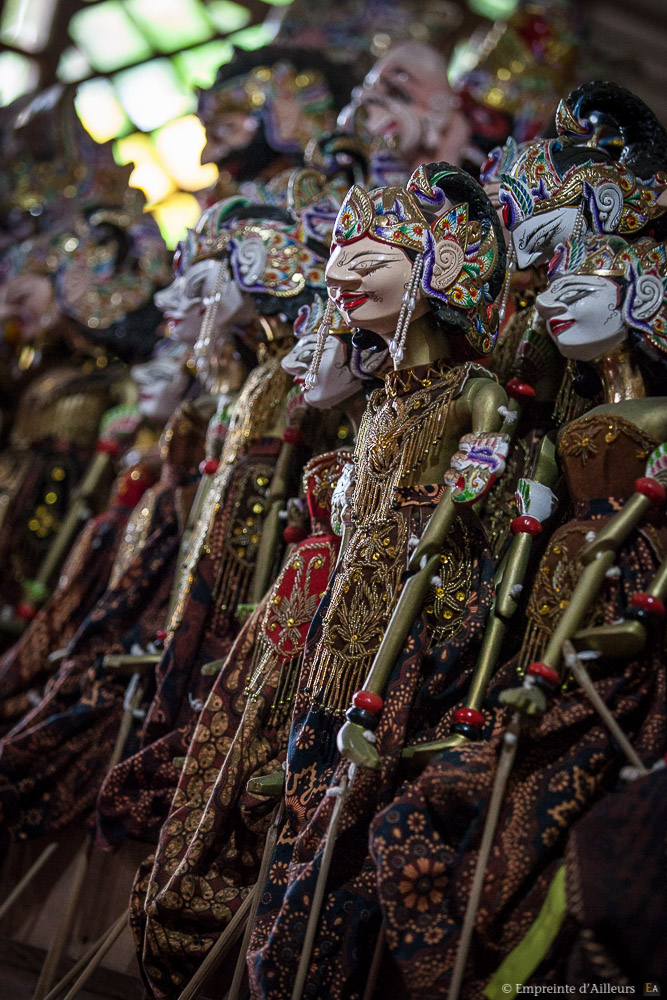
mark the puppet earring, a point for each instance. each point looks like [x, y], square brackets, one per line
[511, 268]
[397, 345]
[310, 380]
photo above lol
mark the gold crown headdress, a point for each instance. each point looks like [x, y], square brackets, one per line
[536, 184]
[415, 218]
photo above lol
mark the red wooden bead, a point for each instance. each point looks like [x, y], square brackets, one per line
[161, 634]
[293, 534]
[106, 447]
[547, 673]
[25, 611]
[526, 525]
[647, 602]
[209, 466]
[652, 490]
[292, 435]
[369, 701]
[469, 716]
[519, 390]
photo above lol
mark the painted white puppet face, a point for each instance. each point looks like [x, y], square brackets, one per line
[367, 281]
[183, 301]
[405, 99]
[162, 383]
[536, 239]
[335, 381]
[583, 314]
[230, 307]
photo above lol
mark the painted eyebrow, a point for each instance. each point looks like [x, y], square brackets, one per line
[365, 253]
[544, 225]
[579, 284]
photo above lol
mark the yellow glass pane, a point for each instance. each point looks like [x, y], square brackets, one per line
[136, 148]
[153, 181]
[179, 147]
[175, 214]
[99, 110]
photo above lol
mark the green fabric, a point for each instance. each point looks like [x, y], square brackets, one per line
[522, 961]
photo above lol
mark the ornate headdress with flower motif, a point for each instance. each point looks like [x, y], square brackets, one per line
[266, 255]
[500, 160]
[99, 281]
[630, 264]
[416, 218]
[261, 91]
[536, 184]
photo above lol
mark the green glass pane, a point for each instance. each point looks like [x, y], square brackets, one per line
[152, 94]
[198, 67]
[494, 9]
[18, 75]
[227, 16]
[171, 24]
[254, 37]
[108, 37]
[73, 65]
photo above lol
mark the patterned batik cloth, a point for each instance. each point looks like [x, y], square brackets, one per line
[25, 668]
[53, 762]
[399, 428]
[210, 847]
[425, 843]
[135, 799]
[616, 888]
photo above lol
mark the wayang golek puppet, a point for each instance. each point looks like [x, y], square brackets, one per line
[545, 747]
[248, 736]
[235, 546]
[420, 267]
[161, 384]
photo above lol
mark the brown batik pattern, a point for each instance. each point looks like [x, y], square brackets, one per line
[136, 797]
[428, 683]
[211, 844]
[425, 843]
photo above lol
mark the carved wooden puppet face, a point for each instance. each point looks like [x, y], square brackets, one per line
[161, 384]
[184, 301]
[28, 306]
[367, 281]
[405, 100]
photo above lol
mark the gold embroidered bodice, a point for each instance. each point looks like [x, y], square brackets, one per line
[405, 421]
[62, 403]
[603, 454]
